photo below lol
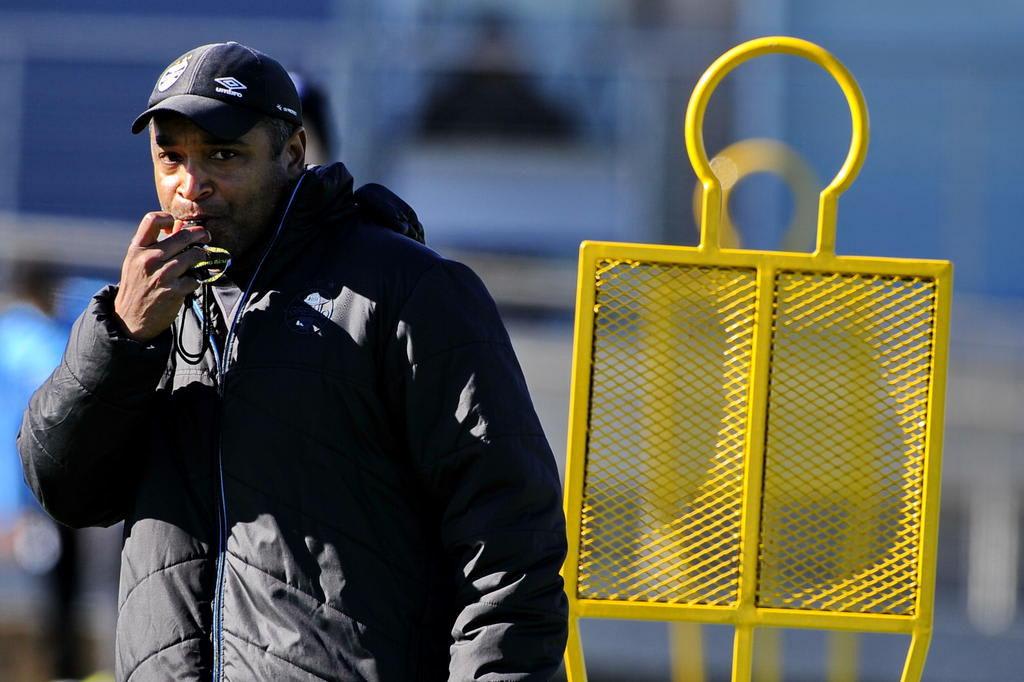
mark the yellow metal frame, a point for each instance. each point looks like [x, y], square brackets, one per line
[744, 614]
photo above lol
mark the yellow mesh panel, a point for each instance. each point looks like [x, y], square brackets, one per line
[849, 378]
[664, 461]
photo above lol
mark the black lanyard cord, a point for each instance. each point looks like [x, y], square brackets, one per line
[204, 322]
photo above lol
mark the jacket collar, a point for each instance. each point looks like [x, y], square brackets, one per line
[325, 193]
[323, 196]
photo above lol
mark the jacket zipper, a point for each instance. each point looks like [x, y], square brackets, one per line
[221, 361]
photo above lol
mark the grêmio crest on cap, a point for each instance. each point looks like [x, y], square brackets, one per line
[172, 74]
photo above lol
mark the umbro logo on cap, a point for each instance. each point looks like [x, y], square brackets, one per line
[231, 86]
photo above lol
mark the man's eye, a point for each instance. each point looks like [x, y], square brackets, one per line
[223, 155]
[169, 158]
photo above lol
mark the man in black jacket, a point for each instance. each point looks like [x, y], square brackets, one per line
[327, 461]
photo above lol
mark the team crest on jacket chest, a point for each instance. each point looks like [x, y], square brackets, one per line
[309, 312]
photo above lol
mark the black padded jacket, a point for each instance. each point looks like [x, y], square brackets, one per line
[352, 484]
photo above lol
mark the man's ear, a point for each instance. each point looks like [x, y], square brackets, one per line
[294, 154]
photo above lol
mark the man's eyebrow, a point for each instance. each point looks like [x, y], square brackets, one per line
[221, 142]
[167, 140]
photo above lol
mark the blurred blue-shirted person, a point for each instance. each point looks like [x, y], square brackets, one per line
[32, 342]
[31, 345]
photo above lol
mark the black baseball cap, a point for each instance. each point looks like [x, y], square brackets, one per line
[224, 88]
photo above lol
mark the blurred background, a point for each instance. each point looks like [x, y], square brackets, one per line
[516, 130]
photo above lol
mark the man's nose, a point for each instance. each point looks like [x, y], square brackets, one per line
[194, 183]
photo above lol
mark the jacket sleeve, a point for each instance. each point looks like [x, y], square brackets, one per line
[477, 443]
[78, 441]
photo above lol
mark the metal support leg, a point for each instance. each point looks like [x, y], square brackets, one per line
[914, 667]
[575, 670]
[743, 653]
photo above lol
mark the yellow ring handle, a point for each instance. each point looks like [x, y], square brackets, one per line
[711, 203]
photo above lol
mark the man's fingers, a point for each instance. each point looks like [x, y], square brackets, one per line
[180, 241]
[150, 227]
[177, 265]
[185, 285]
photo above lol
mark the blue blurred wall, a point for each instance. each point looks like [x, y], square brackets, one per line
[941, 79]
[945, 91]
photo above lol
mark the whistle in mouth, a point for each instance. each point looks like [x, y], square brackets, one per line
[215, 261]
[213, 265]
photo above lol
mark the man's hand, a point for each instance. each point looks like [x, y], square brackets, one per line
[154, 279]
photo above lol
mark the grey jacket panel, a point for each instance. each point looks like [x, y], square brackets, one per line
[479, 449]
[97, 398]
[393, 510]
